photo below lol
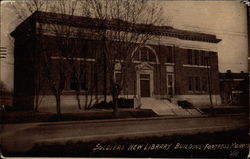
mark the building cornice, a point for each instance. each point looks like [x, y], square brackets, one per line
[118, 25]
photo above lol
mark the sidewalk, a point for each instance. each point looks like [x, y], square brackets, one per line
[106, 114]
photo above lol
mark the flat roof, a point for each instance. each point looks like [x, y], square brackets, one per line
[114, 24]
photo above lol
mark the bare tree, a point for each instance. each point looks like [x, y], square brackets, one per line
[84, 72]
[126, 26]
[68, 45]
[123, 27]
[55, 62]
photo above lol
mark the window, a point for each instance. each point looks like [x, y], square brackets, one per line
[196, 57]
[170, 55]
[190, 83]
[144, 54]
[197, 83]
[204, 84]
[202, 58]
[170, 84]
[137, 56]
[84, 82]
[190, 56]
[151, 57]
[73, 82]
[117, 77]
[78, 82]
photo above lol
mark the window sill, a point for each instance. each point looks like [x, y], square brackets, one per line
[197, 92]
[73, 92]
[196, 66]
[169, 63]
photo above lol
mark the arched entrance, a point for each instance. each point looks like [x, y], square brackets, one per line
[146, 57]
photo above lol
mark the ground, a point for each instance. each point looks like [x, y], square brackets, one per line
[81, 138]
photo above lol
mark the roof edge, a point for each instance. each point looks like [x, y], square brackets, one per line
[80, 21]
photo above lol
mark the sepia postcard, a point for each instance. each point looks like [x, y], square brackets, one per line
[124, 78]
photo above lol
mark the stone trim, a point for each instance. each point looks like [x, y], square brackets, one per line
[75, 58]
[197, 66]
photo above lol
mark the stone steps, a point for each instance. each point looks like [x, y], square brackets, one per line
[165, 107]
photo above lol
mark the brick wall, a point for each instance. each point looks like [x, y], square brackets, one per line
[24, 79]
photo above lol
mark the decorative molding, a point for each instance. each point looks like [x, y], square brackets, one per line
[144, 66]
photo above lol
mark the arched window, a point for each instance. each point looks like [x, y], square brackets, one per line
[145, 54]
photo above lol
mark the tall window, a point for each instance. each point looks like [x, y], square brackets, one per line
[151, 57]
[190, 83]
[117, 77]
[144, 56]
[73, 82]
[137, 56]
[204, 84]
[84, 82]
[202, 58]
[196, 57]
[78, 82]
[197, 84]
[190, 56]
[170, 55]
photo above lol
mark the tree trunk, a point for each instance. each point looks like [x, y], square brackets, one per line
[37, 82]
[36, 103]
[86, 100]
[115, 107]
[105, 77]
[115, 94]
[104, 68]
[78, 99]
[58, 104]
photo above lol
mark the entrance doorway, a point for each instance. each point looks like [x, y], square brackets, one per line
[145, 85]
[144, 80]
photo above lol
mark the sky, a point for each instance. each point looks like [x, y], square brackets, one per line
[226, 19]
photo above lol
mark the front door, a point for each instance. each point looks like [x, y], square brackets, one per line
[170, 84]
[145, 85]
